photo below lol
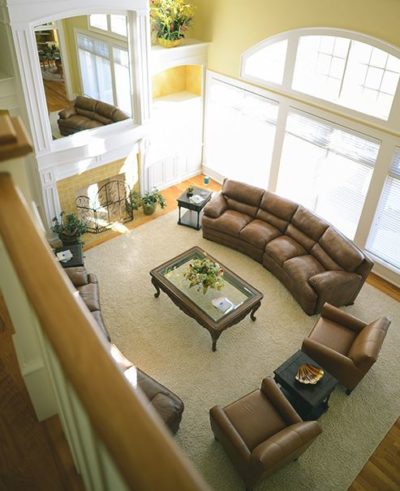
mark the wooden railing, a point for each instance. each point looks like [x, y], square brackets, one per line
[134, 436]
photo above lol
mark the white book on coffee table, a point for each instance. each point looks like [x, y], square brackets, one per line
[222, 303]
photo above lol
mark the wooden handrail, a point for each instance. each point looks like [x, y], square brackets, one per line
[135, 437]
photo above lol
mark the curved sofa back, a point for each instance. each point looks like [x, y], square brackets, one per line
[317, 236]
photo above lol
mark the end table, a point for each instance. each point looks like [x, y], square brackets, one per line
[191, 218]
[77, 255]
[310, 401]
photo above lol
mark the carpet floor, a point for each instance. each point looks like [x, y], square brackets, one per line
[175, 350]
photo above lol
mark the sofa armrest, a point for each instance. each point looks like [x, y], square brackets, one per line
[67, 112]
[78, 275]
[336, 287]
[216, 206]
[290, 441]
[224, 430]
[343, 318]
[272, 392]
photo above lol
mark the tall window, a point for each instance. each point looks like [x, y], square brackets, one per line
[239, 133]
[384, 239]
[105, 71]
[344, 68]
[326, 168]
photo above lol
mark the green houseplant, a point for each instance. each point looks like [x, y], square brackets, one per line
[69, 228]
[150, 200]
[170, 19]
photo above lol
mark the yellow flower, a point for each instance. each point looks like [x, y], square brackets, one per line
[170, 18]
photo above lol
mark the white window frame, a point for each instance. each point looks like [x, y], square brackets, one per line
[111, 44]
[108, 31]
[393, 121]
[389, 142]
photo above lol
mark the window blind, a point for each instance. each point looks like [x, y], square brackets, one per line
[239, 132]
[327, 168]
[384, 240]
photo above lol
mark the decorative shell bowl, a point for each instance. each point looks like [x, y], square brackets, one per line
[309, 374]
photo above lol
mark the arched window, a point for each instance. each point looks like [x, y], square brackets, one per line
[354, 71]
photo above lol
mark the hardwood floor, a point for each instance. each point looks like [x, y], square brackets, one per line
[56, 97]
[382, 471]
[27, 457]
[36, 456]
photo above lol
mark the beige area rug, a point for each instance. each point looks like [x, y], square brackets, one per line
[176, 350]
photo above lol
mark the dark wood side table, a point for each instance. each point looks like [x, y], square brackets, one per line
[191, 218]
[77, 255]
[310, 401]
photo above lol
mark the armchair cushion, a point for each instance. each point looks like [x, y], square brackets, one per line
[249, 415]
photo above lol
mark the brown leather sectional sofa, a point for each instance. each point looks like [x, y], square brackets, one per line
[167, 404]
[315, 262]
[86, 113]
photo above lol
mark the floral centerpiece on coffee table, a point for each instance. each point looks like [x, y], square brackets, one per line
[205, 274]
[170, 20]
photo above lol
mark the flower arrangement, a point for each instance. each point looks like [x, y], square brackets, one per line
[205, 274]
[171, 18]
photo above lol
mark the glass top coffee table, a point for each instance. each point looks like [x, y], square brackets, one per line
[216, 310]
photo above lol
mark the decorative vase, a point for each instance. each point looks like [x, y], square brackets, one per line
[149, 209]
[169, 43]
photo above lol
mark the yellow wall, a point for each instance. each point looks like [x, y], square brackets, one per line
[178, 79]
[235, 25]
[68, 188]
[69, 25]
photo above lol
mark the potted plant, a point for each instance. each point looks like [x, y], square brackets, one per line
[150, 200]
[69, 228]
[189, 191]
[170, 19]
[205, 274]
[134, 201]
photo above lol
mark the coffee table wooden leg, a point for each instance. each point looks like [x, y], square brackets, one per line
[157, 294]
[214, 337]
[255, 308]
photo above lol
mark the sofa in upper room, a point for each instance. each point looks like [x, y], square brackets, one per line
[315, 262]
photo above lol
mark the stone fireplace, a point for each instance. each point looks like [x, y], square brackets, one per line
[100, 193]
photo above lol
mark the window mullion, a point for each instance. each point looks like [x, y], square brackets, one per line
[291, 54]
[278, 144]
[378, 178]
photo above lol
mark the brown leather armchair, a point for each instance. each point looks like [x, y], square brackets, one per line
[261, 432]
[344, 345]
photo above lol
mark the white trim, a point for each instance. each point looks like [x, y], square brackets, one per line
[293, 36]
[64, 61]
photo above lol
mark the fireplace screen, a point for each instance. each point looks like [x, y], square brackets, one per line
[106, 206]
